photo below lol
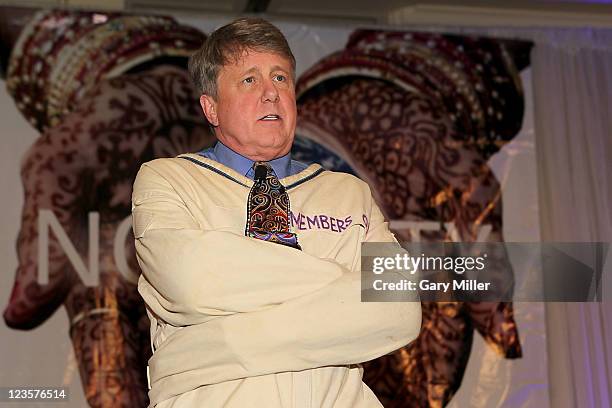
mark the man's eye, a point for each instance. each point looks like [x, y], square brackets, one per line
[280, 78]
[248, 80]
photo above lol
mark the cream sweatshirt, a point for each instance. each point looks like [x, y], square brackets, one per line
[240, 322]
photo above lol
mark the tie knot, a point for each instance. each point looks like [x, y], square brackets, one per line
[262, 169]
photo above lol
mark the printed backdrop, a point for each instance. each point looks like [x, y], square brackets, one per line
[439, 125]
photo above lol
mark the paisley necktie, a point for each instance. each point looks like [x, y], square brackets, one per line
[268, 209]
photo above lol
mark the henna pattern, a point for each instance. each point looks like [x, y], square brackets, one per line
[88, 163]
[423, 152]
[403, 143]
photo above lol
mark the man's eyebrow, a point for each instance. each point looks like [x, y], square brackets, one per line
[250, 71]
[278, 68]
[256, 69]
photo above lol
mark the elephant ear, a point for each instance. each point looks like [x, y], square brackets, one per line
[53, 186]
[88, 163]
[417, 115]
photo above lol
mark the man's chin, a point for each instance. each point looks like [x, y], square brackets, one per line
[260, 147]
[273, 150]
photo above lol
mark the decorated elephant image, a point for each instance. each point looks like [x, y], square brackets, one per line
[107, 92]
[416, 115]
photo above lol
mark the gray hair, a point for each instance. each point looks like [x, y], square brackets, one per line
[228, 43]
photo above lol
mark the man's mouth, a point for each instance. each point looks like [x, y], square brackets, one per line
[270, 117]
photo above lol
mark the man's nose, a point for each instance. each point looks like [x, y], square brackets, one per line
[270, 93]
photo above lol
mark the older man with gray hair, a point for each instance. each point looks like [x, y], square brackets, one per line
[251, 260]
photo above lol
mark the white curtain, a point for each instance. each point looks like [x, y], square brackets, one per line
[572, 91]
[573, 116]
[572, 87]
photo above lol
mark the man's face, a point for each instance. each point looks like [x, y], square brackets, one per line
[254, 112]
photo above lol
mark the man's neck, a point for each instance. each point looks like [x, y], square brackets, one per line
[242, 164]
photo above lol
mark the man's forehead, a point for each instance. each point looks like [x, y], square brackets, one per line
[247, 60]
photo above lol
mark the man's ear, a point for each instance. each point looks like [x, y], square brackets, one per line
[209, 107]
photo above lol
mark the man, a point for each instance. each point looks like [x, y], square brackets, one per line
[251, 261]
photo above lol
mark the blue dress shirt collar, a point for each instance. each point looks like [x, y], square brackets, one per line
[228, 157]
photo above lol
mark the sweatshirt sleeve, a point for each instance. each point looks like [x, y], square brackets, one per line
[328, 327]
[378, 228]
